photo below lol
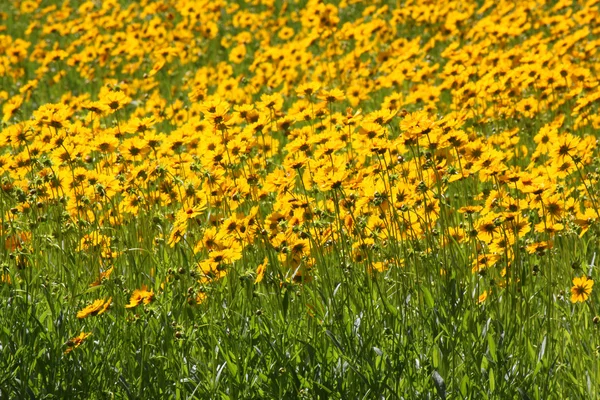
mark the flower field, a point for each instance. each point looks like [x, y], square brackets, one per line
[299, 199]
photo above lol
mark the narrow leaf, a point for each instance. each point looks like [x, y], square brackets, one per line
[492, 347]
[427, 296]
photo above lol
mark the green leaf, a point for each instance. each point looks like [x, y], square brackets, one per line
[492, 347]
[436, 357]
[538, 366]
[427, 296]
[531, 351]
[464, 385]
[285, 303]
[465, 321]
[567, 339]
[492, 381]
[484, 363]
[89, 290]
[334, 340]
[575, 381]
[231, 365]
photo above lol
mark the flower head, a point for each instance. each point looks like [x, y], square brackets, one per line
[76, 341]
[139, 296]
[96, 308]
[582, 287]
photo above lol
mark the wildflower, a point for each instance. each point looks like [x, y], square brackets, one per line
[133, 147]
[5, 278]
[200, 297]
[105, 143]
[308, 89]
[285, 33]
[190, 212]
[581, 290]
[356, 94]
[140, 296]
[103, 276]
[482, 297]
[17, 241]
[156, 67]
[215, 265]
[549, 227]
[553, 206]
[377, 267]
[470, 209]
[178, 232]
[271, 101]
[371, 130]
[140, 125]
[96, 308]
[11, 107]
[487, 227]
[95, 107]
[260, 271]
[585, 220]
[237, 54]
[483, 262]
[216, 113]
[331, 96]
[76, 342]
[565, 145]
[528, 107]
[539, 247]
[545, 137]
[115, 100]
[52, 115]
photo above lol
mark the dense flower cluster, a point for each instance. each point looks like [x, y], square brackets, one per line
[213, 136]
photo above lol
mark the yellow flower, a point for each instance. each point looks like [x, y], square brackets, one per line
[178, 231]
[582, 287]
[96, 308]
[190, 212]
[115, 100]
[5, 278]
[482, 297]
[308, 89]
[377, 266]
[139, 296]
[103, 275]
[260, 271]
[237, 54]
[11, 107]
[157, 67]
[331, 96]
[76, 341]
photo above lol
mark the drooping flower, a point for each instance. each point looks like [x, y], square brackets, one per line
[260, 271]
[5, 278]
[178, 231]
[482, 297]
[11, 107]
